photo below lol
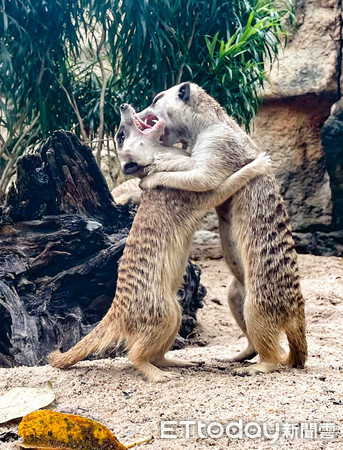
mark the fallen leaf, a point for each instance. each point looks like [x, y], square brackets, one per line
[18, 402]
[54, 430]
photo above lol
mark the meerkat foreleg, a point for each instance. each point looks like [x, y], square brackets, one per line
[170, 162]
[182, 172]
[161, 165]
[236, 181]
[196, 180]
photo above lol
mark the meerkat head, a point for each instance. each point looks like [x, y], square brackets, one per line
[137, 142]
[185, 109]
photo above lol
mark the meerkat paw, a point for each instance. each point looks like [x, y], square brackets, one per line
[163, 377]
[248, 353]
[264, 162]
[255, 369]
[153, 373]
[149, 182]
[175, 362]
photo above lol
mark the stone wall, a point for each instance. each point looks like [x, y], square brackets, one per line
[303, 87]
[289, 130]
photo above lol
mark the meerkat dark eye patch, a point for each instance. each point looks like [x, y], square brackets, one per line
[120, 137]
[185, 92]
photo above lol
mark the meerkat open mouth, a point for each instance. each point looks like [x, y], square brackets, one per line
[151, 123]
[151, 120]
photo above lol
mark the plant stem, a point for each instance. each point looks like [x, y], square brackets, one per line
[73, 104]
[189, 43]
[102, 97]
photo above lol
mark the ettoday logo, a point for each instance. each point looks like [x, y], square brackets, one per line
[238, 429]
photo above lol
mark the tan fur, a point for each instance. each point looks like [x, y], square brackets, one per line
[145, 313]
[265, 296]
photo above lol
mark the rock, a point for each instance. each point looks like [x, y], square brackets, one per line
[202, 237]
[206, 244]
[332, 136]
[303, 87]
[210, 222]
[308, 65]
[290, 131]
[319, 243]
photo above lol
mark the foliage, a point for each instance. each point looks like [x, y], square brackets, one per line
[221, 45]
[70, 64]
[35, 37]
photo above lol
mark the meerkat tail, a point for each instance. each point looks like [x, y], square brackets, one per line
[101, 337]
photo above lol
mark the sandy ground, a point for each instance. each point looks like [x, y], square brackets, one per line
[304, 405]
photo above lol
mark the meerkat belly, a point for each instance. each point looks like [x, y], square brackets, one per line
[231, 251]
[154, 258]
[260, 226]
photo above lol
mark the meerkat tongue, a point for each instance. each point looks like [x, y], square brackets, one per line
[153, 123]
[140, 124]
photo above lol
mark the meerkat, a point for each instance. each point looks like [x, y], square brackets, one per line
[145, 314]
[265, 296]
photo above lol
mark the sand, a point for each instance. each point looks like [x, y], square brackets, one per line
[302, 409]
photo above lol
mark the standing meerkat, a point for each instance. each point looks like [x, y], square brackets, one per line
[265, 296]
[145, 314]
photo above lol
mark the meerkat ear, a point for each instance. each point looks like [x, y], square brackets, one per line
[185, 92]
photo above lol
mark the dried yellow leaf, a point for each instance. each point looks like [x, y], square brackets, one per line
[54, 430]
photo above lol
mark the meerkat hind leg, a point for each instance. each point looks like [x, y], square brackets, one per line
[153, 373]
[140, 355]
[248, 353]
[236, 298]
[159, 359]
[264, 334]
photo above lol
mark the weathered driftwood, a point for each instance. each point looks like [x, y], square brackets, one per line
[61, 240]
